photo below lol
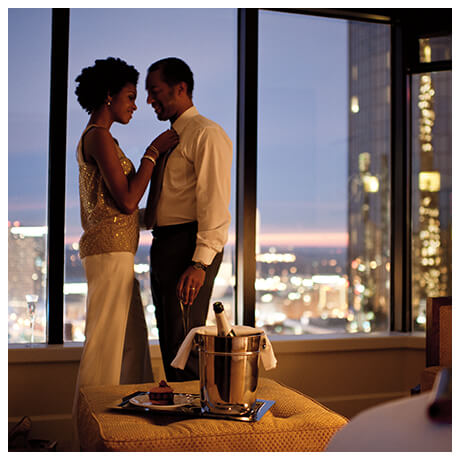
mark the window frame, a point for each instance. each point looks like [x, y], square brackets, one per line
[404, 62]
[60, 23]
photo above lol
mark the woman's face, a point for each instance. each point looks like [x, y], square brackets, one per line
[123, 104]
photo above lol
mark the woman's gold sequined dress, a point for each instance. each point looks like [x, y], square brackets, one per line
[105, 227]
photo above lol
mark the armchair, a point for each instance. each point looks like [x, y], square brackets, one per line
[438, 339]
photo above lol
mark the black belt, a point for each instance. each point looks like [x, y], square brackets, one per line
[166, 231]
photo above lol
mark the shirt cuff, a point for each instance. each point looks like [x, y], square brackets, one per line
[204, 255]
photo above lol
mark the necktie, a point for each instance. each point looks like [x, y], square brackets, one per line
[155, 189]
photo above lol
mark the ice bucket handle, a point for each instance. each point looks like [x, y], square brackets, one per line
[198, 341]
[263, 342]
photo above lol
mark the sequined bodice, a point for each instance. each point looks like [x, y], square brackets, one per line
[105, 227]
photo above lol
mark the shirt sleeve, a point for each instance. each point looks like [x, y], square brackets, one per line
[212, 165]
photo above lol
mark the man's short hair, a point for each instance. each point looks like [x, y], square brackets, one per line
[174, 71]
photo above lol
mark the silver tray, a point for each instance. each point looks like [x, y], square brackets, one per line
[193, 409]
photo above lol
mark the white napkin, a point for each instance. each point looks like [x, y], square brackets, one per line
[266, 354]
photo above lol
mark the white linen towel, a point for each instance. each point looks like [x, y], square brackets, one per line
[266, 353]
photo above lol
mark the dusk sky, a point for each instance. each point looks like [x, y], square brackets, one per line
[303, 105]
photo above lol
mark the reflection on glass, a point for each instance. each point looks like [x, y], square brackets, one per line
[323, 244]
[431, 190]
[29, 40]
[213, 63]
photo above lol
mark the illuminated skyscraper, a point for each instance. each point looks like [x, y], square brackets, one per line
[26, 263]
[368, 173]
[26, 282]
[369, 186]
[432, 183]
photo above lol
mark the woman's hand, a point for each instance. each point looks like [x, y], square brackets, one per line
[165, 141]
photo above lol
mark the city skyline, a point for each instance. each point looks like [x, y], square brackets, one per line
[298, 289]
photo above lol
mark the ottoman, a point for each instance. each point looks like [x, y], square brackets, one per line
[294, 423]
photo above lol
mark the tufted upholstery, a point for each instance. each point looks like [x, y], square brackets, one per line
[438, 339]
[294, 423]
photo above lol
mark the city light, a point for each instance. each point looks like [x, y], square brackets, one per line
[141, 268]
[428, 250]
[266, 298]
[31, 232]
[371, 183]
[333, 280]
[354, 104]
[75, 288]
[270, 258]
[429, 181]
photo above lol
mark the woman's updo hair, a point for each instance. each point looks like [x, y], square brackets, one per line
[106, 77]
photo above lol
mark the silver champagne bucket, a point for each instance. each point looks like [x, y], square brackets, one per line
[229, 372]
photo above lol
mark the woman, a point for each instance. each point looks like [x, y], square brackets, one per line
[110, 190]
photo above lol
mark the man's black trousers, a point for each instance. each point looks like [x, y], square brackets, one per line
[171, 253]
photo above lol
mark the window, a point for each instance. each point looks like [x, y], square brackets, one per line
[29, 43]
[213, 63]
[431, 190]
[323, 162]
[323, 175]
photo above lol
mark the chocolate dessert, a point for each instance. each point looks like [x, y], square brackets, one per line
[162, 394]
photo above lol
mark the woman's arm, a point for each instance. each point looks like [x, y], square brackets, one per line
[127, 191]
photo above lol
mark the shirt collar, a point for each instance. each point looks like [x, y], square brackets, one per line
[180, 123]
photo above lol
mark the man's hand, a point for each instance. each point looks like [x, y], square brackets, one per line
[190, 284]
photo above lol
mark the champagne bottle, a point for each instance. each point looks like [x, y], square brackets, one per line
[223, 326]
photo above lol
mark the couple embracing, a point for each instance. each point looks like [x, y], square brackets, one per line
[188, 169]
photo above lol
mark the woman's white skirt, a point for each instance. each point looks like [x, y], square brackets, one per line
[110, 302]
[116, 348]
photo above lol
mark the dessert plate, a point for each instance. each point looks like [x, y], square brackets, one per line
[144, 401]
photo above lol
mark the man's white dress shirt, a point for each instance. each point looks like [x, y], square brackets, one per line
[196, 183]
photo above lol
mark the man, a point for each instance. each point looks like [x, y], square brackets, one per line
[191, 218]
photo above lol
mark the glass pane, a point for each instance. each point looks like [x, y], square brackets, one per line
[323, 175]
[435, 49]
[213, 62]
[29, 44]
[431, 190]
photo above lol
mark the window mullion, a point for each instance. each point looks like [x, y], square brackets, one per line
[56, 173]
[246, 168]
[401, 188]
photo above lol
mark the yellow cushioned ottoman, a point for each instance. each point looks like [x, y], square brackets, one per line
[294, 423]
